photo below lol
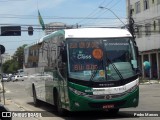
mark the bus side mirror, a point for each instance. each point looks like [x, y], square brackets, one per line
[64, 56]
[139, 71]
[137, 51]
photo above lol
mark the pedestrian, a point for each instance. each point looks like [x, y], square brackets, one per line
[147, 67]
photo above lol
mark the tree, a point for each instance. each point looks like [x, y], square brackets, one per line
[10, 66]
[19, 56]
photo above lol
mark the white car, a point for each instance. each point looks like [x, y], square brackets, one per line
[5, 79]
[17, 78]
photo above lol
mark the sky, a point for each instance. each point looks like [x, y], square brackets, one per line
[71, 12]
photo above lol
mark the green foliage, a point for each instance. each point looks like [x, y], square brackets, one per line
[11, 66]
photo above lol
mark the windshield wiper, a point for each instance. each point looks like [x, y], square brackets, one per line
[95, 70]
[115, 68]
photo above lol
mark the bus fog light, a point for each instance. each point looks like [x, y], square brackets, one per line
[134, 100]
[76, 104]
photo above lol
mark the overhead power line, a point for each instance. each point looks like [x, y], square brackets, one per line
[12, 0]
[95, 12]
[106, 6]
[20, 40]
[92, 13]
[112, 13]
[50, 17]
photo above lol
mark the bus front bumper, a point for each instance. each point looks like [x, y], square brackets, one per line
[82, 103]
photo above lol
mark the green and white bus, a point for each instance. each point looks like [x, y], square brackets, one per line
[85, 69]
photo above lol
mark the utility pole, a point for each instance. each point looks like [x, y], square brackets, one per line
[2, 50]
[129, 7]
[131, 21]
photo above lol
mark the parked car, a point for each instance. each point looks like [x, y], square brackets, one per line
[1, 88]
[5, 79]
[17, 78]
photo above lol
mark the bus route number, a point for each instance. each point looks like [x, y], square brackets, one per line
[79, 67]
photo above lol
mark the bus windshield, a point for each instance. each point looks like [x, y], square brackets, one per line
[101, 59]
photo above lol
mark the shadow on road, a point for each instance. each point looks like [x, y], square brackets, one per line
[50, 111]
[94, 115]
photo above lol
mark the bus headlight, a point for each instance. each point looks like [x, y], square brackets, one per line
[132, 88]
[77, 92]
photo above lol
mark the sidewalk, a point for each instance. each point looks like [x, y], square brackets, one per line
[7, 106]
[11, 106]
[145, 82]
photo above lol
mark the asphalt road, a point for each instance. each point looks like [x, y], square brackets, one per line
[17, 99]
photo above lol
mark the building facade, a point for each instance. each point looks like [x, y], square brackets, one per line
[54, 26]
[5, 57]
[146, 14]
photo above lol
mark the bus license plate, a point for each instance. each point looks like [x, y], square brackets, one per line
[108, 106]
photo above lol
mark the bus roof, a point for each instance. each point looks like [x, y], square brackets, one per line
[87, 33]
[96, 33]
[46, 37]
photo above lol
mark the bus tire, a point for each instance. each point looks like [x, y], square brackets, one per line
[58, 105]
[35, 100]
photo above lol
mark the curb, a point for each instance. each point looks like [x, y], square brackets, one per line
[150, 82]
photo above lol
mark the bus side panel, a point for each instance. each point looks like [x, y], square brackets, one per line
[58, 83]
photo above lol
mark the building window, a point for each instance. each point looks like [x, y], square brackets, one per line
[146, 4]
[154, 25]
[30, 52]
[139, 31]
[159, 24]
[148, 29]
[138, 7]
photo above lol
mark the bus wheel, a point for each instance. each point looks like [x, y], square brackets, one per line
[59, 109]
[35, 100]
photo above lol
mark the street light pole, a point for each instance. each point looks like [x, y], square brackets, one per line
[2, 77]
[101, 7]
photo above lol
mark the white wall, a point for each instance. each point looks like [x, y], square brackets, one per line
[150, 15]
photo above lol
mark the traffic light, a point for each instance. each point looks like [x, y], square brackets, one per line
[10, 30]
[2, 49]
[30, 30]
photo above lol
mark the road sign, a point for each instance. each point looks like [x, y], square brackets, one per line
[2, 49]
[10, 31]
